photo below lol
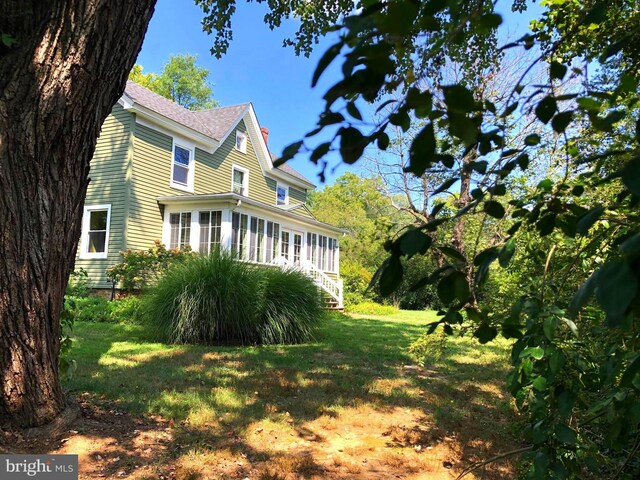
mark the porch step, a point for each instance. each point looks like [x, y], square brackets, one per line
[331, 303]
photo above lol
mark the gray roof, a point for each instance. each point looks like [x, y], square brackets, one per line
[290, 170]
[214, 123]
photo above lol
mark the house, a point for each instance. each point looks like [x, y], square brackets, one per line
[203, 179]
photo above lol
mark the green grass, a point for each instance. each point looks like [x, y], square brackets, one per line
[355, 364]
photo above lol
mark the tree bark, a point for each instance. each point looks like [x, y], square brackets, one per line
[58, 83]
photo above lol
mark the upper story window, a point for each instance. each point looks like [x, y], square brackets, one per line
[95, 231]
[282, 195]
[240, 181]
[182, 168]
[241, 141]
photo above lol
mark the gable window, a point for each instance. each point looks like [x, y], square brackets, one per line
[95, 231]
[282, 195]
[210, 229]
[180, 224]
[240, 181]
[182, 168]
[241, 141]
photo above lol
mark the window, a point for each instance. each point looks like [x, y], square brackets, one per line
[240, 181]
[180, 236]
[210, 229]
[182, 168]
[282, 195]
[95, 231]
[239, 224]
[297, 248]
[241, 141]
[273, 236]
[284, 245]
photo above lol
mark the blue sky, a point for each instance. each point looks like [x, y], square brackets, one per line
[257, 69]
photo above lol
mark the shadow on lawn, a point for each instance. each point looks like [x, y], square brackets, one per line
[216, 394]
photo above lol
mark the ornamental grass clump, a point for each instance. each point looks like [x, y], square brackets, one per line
[291, 306]
[217, 299]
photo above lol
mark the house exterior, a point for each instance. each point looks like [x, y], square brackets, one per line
[203, 179]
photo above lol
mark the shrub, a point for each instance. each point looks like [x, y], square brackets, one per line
[139, 268]
[89, 309]
[356, 281]
[372, 308]
[99, 309]
[126, 310]
[78, 285]
[291, 306]
[215, 298]
[428, 348]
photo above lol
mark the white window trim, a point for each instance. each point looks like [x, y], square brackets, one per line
[84, 247]
[286, 194]
[192, 166]
[245, 182]
[244, 143]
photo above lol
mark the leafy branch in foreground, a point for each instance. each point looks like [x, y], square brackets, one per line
[570, 239]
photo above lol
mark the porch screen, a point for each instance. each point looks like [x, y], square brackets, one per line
[210, 228]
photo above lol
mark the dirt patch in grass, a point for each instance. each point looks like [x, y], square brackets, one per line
[354, 443]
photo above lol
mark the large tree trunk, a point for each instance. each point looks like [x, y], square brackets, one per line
[58, 83]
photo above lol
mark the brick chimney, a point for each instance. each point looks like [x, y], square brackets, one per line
[265, 134]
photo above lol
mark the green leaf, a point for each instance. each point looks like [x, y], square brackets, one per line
[414, 241]
[289, 152]
[353, 111]
[514, 228]
[490, 20]
[352, 144]
[453, 287]
[533, 139]
[565, 434]
[533, 352]
[540, 384]
[549, 327]
[325, 61]
[506, 252]
[391, 275]
[631, 176]
[401, 119]
[615, 287]
[629, 374]
[383, 140]
[494, 209]
[582, 296]
[561, 121]
[546, 185]
[453, 254]
[422, 151]
[565, 400]
[588, 219]
[459, 99]
[546, 109]
[445, 186]
[546, 224]
[589, 104]
[320, 151]
[557, 70]
[485, 333]
[631, 245]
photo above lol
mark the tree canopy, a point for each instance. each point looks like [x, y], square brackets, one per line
[181, 80]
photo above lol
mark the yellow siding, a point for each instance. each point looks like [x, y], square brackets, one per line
[108, 186]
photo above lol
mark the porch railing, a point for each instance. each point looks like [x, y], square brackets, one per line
[332, 287]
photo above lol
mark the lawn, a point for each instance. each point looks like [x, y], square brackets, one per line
[350, 405]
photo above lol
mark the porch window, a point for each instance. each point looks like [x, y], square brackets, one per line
[284, 245]
[210, 230]
[260, 243]
[239, 228]
[297, 248]
[180, 224]
[95, 231]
